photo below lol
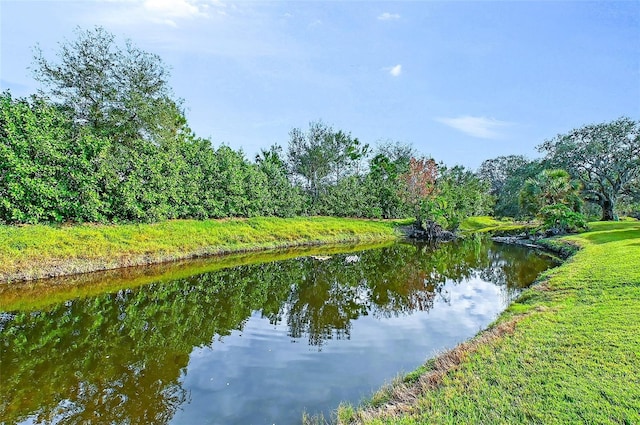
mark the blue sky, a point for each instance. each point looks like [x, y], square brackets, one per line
[460, 81]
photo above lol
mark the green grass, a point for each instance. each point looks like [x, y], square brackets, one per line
[572, 356]
[486, 224]
[31, 252]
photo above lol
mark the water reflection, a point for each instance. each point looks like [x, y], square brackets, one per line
[133, 356]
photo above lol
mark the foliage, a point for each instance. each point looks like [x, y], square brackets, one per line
[605, 157]
[348, 198]
[49, 169]
[506, 176]
[397, 155]
[120, 92]
[555, 199]
[498, 170]
[463, 194]
[283, 198]
[550, 187]
[54, 171]
[322, 156]
[444, 196]
[562, 218]
[418, 185]
[118, 149]
[390, 161]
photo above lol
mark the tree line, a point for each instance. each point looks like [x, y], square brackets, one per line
[106, 140]
[594, 170]
[57, 168]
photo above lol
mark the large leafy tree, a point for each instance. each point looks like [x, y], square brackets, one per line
[419, 183]
[322, 156]
[497, 171]
[390, 160]
[283, 199]
[461, 194]
[310, 156]
[506, 176]
[118, 91]
[605, 157]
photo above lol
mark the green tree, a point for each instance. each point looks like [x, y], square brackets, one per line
[49, 169]
[554, 197]
[283, 198]
[506, 176]
[390, 160]
[346, 154]
[310, 156]
[605, 158]
[322, 156]
[350, 197]
[229, 174]
[461, 194]
[117, 91]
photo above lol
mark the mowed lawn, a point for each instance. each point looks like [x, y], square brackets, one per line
[572, 356]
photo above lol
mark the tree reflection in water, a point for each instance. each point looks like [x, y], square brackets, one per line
[119, 357]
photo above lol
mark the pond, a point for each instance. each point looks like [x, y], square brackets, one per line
[259, 343]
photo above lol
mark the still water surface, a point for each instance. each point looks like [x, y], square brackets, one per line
[254, 344]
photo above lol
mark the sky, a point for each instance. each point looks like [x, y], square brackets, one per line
[461, 82]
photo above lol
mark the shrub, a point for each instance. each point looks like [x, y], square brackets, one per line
[563, 218]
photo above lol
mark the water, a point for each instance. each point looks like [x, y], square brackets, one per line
[252, 344]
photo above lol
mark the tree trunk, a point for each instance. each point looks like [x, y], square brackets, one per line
[607, 210]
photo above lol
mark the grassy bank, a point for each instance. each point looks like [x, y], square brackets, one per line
[567, 351]
[32, 252]
[485, 224]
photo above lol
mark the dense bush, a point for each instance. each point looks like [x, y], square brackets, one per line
[562, 218]
[50, 170]
[53, 170]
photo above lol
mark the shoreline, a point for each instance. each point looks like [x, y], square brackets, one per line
[29, 253]
[574, 329]
[40, 294]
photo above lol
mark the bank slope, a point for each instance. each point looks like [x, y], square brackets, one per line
[570, 352]
[32, 252]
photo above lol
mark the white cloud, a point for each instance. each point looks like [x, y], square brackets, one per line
[395, 71]
[481, 127]
[170, 9]
[386, 16]
[167, 12]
